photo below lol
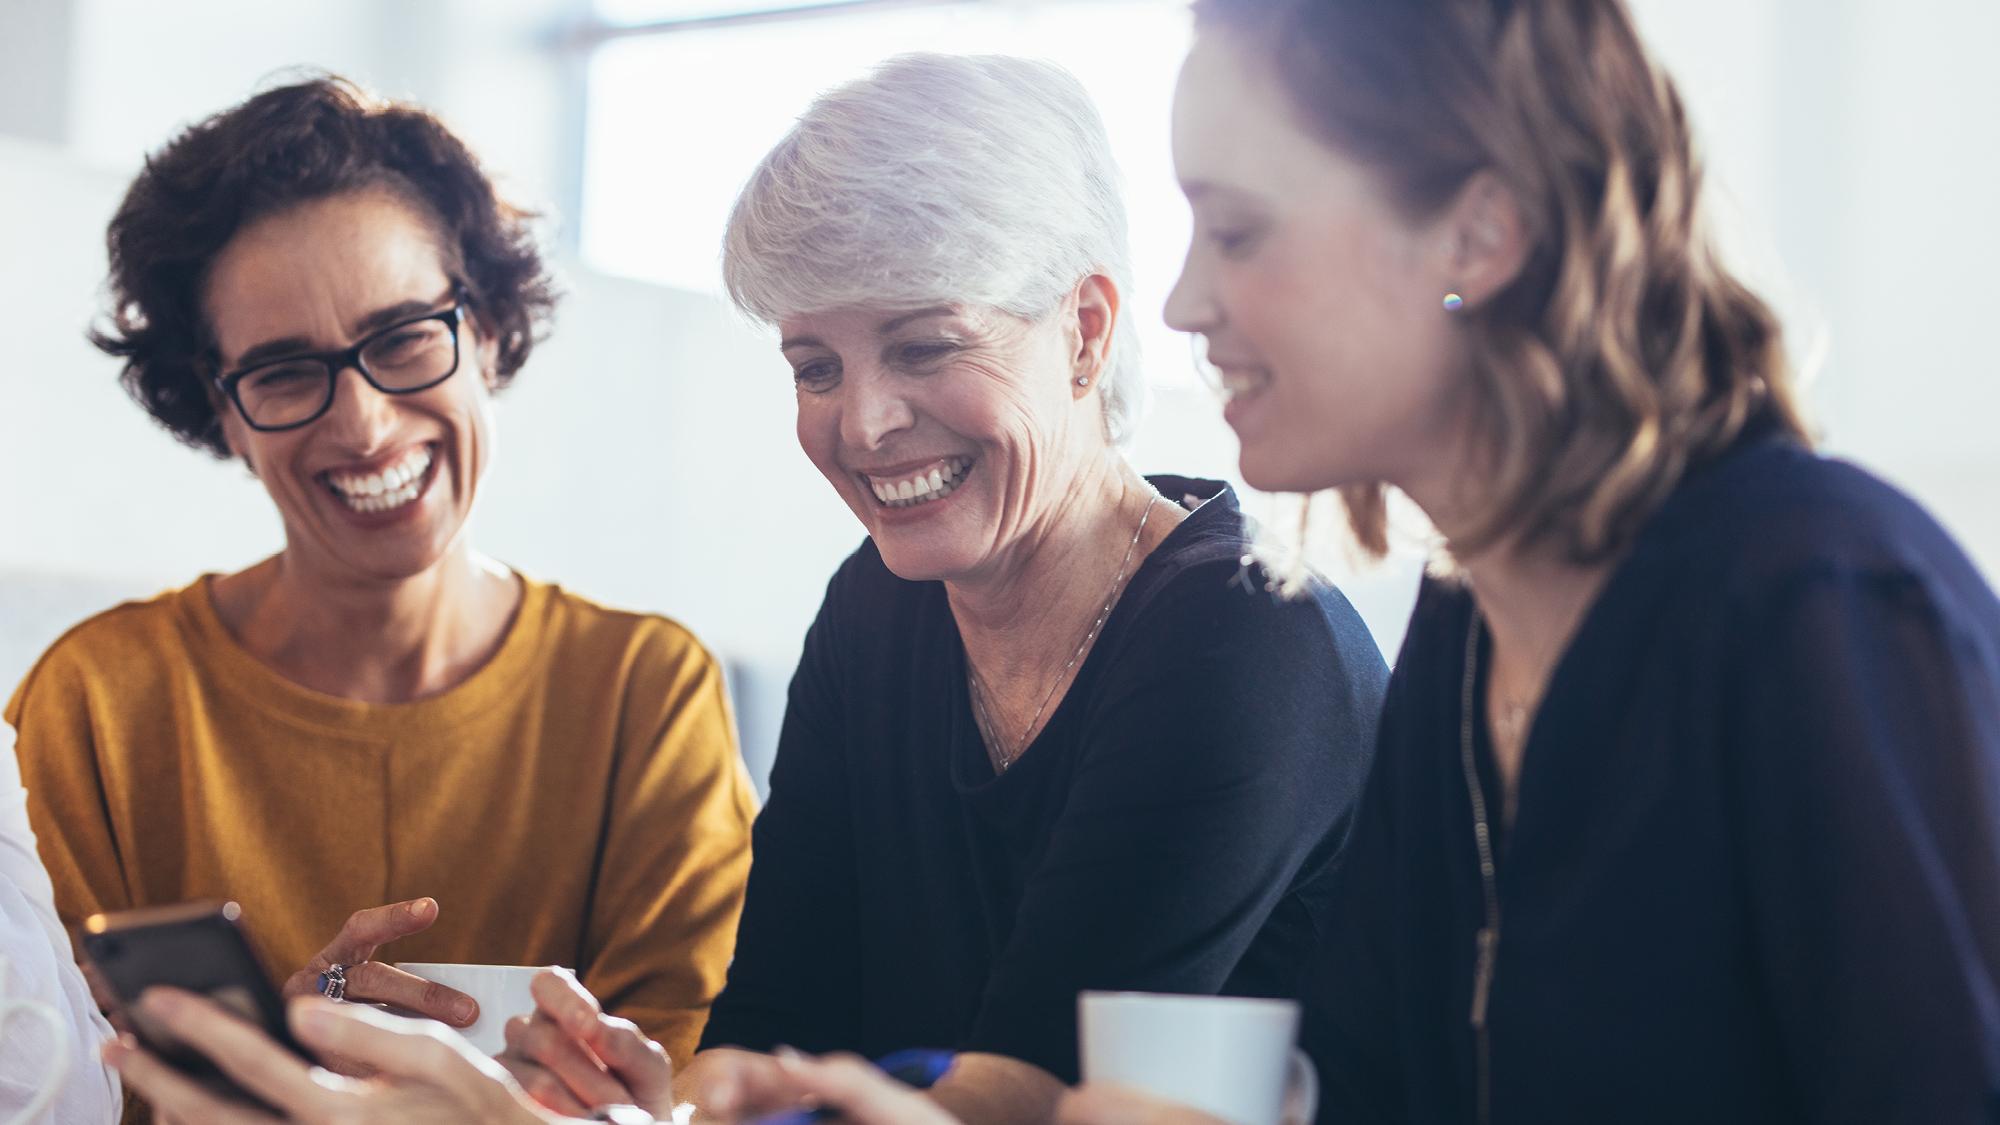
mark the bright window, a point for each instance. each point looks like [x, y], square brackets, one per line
[677, 118]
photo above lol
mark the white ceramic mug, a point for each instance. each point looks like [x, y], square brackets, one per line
[1229, 1056]
[501, 990]
[16, 1010]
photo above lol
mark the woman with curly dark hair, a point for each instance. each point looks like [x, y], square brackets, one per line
[326, 287]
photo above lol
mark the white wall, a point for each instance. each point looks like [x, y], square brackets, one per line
[1857, 142]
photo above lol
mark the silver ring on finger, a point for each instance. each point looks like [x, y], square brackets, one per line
[333, 982]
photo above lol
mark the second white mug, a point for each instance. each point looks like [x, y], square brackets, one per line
[1229, 1056]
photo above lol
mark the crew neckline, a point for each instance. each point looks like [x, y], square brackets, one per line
[273, 692]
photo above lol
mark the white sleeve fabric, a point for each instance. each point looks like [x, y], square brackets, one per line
[36, 966]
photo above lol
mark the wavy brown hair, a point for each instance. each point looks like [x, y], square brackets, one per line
[283, 147]
[1624, 352]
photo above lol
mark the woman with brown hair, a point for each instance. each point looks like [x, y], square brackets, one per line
[1689, 774]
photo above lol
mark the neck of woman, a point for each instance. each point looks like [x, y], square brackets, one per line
[1530, 596]
[1531, 600]
[1531, 603]
[377, 641]
[1023, 620]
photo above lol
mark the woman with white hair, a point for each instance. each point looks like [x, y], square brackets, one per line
[1050, 731]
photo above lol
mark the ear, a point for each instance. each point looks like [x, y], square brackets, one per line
[1095, 302]
[489, 363]
[1486, 239]
[485, 348]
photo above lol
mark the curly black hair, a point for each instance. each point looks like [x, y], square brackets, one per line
[283, 147]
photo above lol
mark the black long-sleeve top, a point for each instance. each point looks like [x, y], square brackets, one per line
[1754, 874]
[1170, 829]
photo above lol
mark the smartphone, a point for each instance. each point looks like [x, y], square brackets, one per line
[198, 947]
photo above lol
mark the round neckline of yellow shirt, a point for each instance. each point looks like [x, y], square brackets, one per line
[272, 691]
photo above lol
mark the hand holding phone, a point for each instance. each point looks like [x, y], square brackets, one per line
[197, 947]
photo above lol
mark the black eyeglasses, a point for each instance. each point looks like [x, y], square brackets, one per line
[404, 358]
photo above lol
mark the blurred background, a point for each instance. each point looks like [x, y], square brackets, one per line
[647, 458]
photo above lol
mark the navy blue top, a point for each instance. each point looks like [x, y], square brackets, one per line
[1755, 870]
[1170, 828]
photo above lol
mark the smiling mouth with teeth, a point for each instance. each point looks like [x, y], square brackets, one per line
[385, 489]
[1243, 382]
[932, 484]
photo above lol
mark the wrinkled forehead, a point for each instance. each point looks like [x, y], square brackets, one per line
[318, 271]
[861, 322]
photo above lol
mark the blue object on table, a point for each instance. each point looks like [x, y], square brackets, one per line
[918, 1067]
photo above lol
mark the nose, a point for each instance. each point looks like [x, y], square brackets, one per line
[359, 415]
[1191, 304]
[874, 408]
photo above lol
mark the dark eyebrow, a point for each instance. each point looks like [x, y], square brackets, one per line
[299, 345]
[791, 342]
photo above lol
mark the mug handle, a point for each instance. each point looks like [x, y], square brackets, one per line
[58, 1055]
[1301, 1091]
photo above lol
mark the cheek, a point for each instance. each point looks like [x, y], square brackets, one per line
[1335, 310]
[1008, 406]
[818, 431]
[464, 410]
[482, 427]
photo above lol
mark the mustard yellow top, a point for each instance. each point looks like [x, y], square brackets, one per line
[576, 801]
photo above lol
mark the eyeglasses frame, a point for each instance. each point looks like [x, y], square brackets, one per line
[338, 361]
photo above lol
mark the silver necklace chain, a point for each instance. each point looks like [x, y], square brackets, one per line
[1002, 757]
[1488, 942]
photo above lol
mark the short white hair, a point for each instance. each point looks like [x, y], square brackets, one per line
[978, 180]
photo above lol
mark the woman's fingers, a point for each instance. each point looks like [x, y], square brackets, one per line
[420, 1062]
[394, 1046]
[637, 1061]
[862, 1094]
[741, 1083]
[251, 1058]
[365, 931]
[728, 1083]
[537, 1039]
[361, 935]
[385, 984]
[541, 1085]
[560, 996]
[639, 1065]
[175, 1096]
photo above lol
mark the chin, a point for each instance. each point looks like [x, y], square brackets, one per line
[1322, 458]
[912, 562]
[1278, 474]
[397, 566]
